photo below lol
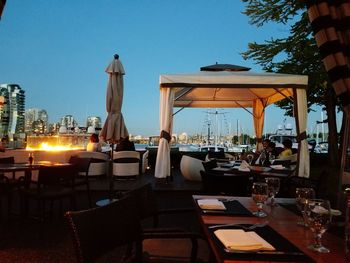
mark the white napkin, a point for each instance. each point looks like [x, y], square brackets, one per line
[277, 167]
[244, 166]
[238, 239]
[213, 204]
[335, 212]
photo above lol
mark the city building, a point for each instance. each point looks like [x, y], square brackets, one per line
[68, 122]
[36, 121]
[93, 121]
[12, 113]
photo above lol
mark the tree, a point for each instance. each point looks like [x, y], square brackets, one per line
[294, 54]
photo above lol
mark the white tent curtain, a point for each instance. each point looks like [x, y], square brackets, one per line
[300, 106]
[163, 165]
[231, 90]
[258, 118]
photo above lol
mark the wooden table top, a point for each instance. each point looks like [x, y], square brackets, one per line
[281, 220]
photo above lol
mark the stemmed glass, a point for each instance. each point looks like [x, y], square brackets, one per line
[273, 184]
[271, 157]
[262, 158]
[259, 195]
[250, 158]
[318, 217]
[302, 195]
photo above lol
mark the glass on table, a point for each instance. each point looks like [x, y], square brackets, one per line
[260, 194]
[250, 158]
[302, 194]
[318, 217]
[273, 184]
[262, 158]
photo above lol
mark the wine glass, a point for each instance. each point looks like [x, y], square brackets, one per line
[318, 217]
[259, 195]
[262, 158]
[250, 158]
[272, 157]
[302, 195]
[273, 184]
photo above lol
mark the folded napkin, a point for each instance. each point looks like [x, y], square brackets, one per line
[277, 167]
[322, 210]
[238, 239]
[335, 212]
[213, 204]
[244, 166]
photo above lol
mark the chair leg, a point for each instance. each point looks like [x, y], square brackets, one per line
[89, 194]
[9, 203]
[194, 250]
[73, 202]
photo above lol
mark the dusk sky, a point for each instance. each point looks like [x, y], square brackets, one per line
[57, 51]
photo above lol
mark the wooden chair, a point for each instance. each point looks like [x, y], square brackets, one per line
[233, 184]
[8, 183]
[97, 231]
[209, 165]
[82, 166]
[147, 207]
[54, 183]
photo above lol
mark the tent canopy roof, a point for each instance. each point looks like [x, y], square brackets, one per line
[231, 89]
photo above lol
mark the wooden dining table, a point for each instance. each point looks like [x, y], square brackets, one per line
[281, 220]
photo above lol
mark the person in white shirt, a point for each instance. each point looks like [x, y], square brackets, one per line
[94, 144]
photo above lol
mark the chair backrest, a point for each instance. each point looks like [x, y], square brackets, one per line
[126, 163]
[5, 160]
[98, 162]
[235, 184]
[144, 164]
[99, 230]
[190, 168]
[208, 165]
[146, 201]
[82, 164]
[56, 175]
[216, 155]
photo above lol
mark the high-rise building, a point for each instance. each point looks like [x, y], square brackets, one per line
[68, 121]
[12, 111]
[93, 121]
[36, 121]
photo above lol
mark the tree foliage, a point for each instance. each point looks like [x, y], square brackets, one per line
[296, 53]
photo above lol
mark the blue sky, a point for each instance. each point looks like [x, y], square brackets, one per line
[57, 52]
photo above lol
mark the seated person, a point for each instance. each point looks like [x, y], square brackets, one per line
[94, 144]
[287, 149]
[263, 153]
[125, 145]
[271, 149]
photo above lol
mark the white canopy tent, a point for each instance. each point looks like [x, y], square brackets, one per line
[231, 90]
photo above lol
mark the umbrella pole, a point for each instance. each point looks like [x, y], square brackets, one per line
[110, 175]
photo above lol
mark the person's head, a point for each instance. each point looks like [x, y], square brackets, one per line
[265, 143]
[271, 146]
[94, 138]
[287, 144]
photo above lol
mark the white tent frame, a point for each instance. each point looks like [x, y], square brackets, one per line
[231, 90]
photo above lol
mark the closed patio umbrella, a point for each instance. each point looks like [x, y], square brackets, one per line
[114, 127]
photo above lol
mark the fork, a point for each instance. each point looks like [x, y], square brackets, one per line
[243, 226]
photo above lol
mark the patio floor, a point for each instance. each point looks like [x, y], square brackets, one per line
[33, 241]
